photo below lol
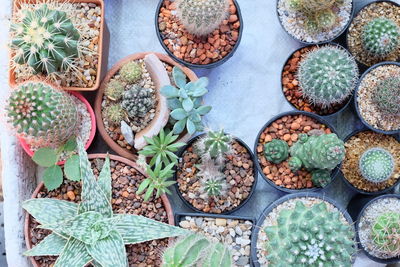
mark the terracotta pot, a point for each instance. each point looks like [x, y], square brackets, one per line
[164, 198]
[99, 98]
[101, 45]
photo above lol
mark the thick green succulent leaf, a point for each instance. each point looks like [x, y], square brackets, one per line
[179, 77]
[74, 255]
[179, 126]
[109, 251]
[169, 91]
[52, 177]
[179, 114]
[50, 210]
[203, 110]
[51, 245]
[104, 179]
[191, 127]
[45, 157]
[137, 229]
[174, 103]
[187, 104]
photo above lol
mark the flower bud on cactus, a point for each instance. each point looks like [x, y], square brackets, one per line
[380, 37]
[131, 72]
[276, 151]
[46, 40]
[376, 165]
[114, 89]
[138, 101]
[201, 17]
[327, 76]
[386, 234]
[42, 115]
[321, 178]
[310, 236]
[114, 114]
[387, 96]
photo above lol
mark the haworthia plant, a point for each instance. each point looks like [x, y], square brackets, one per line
[89, 231]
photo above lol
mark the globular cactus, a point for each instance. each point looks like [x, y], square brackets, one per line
[138, 101]
[212, 180]
[321, 178]
[312, 6]
[201, 17]
[381, 36]
[276, 151]
[325, 19]
[327, 75]
[386, 96]
[386, 234]
[42, 115]
[46, 40]
[376, 165]
[114, 114]
[323, 152]
[114, 89]
[131, 72]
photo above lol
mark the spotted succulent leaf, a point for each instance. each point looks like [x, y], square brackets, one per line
[51, 245]
[74, 254]
[104, 179]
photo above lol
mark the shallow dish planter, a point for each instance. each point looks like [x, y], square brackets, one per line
[357, 143]
[314, 22]
[205, 50]
[368, 220]
[88, 66]
[238, 170]
[357, 45]
[225, 229]
[127, 179]
[377, 98]
[287, 126]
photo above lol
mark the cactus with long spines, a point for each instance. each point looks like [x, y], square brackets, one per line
[376, 165]
[386, 234]
[276, 151]
[386, 96]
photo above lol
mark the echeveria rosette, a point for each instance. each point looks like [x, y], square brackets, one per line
[89, 231]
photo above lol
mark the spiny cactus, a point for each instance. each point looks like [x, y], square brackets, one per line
[276, 151]
[42, 115]
[327, 75]
[376, 165]
[201, 17]
[131, 72]
[381, 36]
[138, 101]
[311, 6]
[114, 114]
[214, 145]
[387, 96]
[212, 179]
[386, 234]
[46, 40]
[310, 236]
[321, 178]
[115, 89]
[325, 19]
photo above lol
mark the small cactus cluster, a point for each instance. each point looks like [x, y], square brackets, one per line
[131, 72]
[310, 236]
[42, 115]
[327, 76]
[138, 101]
[276, 151]
[386, 96]
[114, 89]
[386, 234]
[381, 37]
[376, 165]
[114, 113]
[321, 178]
[201, 17]
[46, 40]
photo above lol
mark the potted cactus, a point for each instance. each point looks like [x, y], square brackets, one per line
[206, 33]
[314, 21]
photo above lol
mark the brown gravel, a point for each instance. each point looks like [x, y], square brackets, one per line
[288, 129]
[125, 181]
[354, 41]
[356, 146]
[239, 172]
[198, 50]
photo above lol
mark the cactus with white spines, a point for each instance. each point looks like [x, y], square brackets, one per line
[376, 165]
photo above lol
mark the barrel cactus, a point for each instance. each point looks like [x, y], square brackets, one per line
[276, 151]
[138, 101]
[114, 89]
[386, 234]
[42, 115]
[381, 36]
[131, 72]
[114, 114]
[327, 75]
[45, 39]
[376, 165]
[310, 236]
[386, 96]
[201, 17]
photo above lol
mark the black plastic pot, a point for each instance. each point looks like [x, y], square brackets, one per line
[356, 95]
[316, 43]
[200, 66]
[187, 204]
[283, 199]
[384, 261]
[292, 113]
[359, 190]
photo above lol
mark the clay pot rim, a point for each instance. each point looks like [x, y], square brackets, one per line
[99, 99]
[320, 120]
[200, 66]
[11, 80]
[164, 198]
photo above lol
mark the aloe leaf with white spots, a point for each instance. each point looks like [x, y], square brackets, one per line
[51, 245]
[74, 255]
[104, 179]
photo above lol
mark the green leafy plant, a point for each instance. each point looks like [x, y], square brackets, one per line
[138, 101]
[186, 102]
[131, 72]
[376, 165]
[386, 96]
[276, 151]
[89, 232]
[386, 234]
[114, 89]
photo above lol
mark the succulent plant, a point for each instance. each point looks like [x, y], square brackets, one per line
[322, 152]
[114, 89]
[131, 72]
[386, 234]
[276, 151]
[311, 6]
[89, 231]
[310, 236]
[201, 17]
[376, 165]
[42, 115]
[327, 75]
[215, 145]
[321, 178]
[325, 19]
[381, 36]
[186, 102]
[386, 96]
[196, 250]
[138, 101]
[114, 113]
